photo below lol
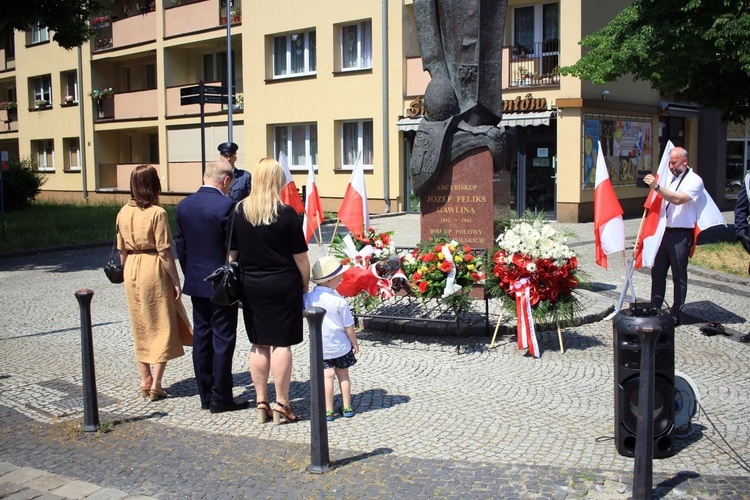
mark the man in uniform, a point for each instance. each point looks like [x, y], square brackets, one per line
[241, 185]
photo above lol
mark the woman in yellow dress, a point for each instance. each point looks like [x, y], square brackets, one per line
[152, 285]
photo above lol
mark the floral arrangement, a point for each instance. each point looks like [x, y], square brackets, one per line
[104, 93]
[364, 249]
[441, 267]
[100, 20]
[531, 249]
[370, 248]
[41, 103]
[9, 105]
[69, 99]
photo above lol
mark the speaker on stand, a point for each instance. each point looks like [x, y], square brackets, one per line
[627, 360]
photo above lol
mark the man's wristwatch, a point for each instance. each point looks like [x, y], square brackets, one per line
[657, 188]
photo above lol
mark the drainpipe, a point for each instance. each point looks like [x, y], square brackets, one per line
[82, 145]
[386, 122]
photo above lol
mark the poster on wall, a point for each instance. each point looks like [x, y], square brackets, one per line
[626, 146]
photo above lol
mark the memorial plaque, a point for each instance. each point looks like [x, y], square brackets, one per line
[461, 202]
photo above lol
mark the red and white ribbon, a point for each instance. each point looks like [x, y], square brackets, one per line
[525, 329]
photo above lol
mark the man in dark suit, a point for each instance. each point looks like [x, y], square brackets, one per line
[201, 239]
[242, 182]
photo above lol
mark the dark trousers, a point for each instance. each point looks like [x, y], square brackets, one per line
[673, 253]
[214, 338]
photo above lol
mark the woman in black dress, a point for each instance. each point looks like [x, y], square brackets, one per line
[269, 243]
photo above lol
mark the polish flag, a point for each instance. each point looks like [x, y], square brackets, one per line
[289, 194]
[609, 228]
[655, 220]
[354, 213]
[708, 215]
[313, 208]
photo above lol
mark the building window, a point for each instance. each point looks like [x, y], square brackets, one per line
[42, 92]
[356, 46]
[738, 158]
[69, 80]
[44, 154]
[72, 147]
[38, 34]
[294, 55]
[150, 71]
[215, 69]
[297, 142]
[536, 43]
[356, 137]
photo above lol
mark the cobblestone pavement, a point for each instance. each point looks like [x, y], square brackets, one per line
[430, 422]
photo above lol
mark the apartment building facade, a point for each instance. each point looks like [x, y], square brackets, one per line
[324, 85]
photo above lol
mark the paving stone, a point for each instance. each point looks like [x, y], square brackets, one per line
[22, 475]
[48, 482]
[76, 489]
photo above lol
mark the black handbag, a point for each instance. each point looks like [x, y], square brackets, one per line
[226, 279]
[115, 272]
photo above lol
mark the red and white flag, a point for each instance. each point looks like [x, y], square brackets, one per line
[655, 221]
[354, 213]
[609, 228]
[707, 214]
[289, 194]
[313, 207]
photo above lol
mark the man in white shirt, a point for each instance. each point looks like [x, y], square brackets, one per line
[682, 190]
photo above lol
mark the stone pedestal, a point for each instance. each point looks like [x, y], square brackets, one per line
[467, 201]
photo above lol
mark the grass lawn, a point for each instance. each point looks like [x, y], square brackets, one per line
[728, 258]
[44, 225]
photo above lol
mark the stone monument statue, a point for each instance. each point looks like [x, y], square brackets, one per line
[458, 165]
[461, 44]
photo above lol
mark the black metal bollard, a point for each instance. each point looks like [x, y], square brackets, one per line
[319, 458]
[90, 404]
[644, 437]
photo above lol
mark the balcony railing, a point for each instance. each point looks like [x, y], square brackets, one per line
[111, 32]
[533, 64]
[8, 120]
[193, 17]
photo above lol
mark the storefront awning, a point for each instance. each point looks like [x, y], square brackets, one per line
[526, 119]
[408, 124]
[681, 110]
[509, 120]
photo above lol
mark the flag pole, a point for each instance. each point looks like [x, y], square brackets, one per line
[335, 228]
[629, 270]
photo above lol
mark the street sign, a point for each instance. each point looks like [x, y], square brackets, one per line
[185, 91]
[215, 90]
[215, 99]
[192, 99]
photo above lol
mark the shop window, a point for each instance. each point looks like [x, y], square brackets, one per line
[294, 54]
[356, 138]
[356, 46]
[44, 154]
[297, 142]
[738, 158]
[627, 146]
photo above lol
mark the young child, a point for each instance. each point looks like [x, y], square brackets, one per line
[339, 340]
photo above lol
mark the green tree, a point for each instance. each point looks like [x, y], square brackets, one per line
[693, 51]
[67, 18]
[22, 183]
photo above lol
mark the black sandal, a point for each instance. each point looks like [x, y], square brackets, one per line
[713, 328]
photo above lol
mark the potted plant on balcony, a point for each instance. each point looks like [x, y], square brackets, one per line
[99, 95]
[42, 104]
[524, 75]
